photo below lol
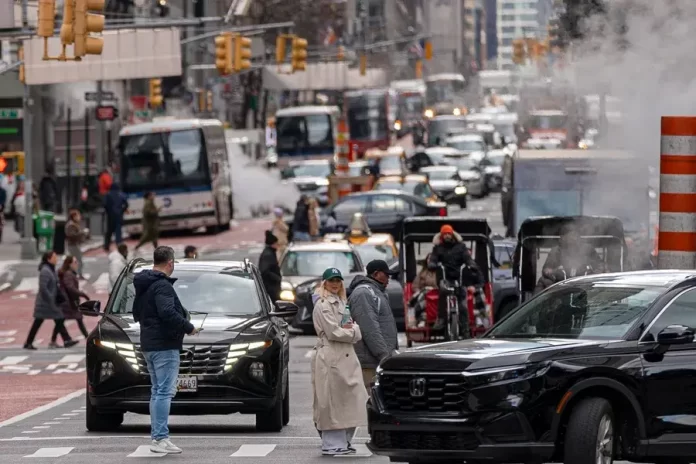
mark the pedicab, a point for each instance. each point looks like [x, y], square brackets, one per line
[417, 242]
[539, 235]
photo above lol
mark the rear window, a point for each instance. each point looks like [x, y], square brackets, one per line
[233, 294]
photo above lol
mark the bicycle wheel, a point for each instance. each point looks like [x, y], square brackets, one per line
[453, 323]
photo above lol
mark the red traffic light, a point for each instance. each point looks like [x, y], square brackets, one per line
[106, 113]
[3, 164]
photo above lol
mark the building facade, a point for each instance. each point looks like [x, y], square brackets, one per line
[518, 19]
[490, 7]
[475, 39]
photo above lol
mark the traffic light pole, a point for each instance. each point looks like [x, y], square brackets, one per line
[28, 244]
[99, 125]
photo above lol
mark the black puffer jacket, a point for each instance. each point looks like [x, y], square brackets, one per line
[301, 221]
[453, 256]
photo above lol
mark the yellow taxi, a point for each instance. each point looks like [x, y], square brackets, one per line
[368, 245]
[417, 185]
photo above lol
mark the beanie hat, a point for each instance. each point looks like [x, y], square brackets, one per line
[446, 229]
[270, 238]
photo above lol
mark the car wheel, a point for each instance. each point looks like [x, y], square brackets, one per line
[99, 422]
[272, 420]
[590, 437]
[286, 404]
[462, 204]
[409, 343]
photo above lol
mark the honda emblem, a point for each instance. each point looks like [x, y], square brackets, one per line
[417, 387]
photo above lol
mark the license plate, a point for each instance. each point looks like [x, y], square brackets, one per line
[187, 383]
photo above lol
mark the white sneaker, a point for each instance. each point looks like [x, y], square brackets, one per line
[336, 452]
[164, 446]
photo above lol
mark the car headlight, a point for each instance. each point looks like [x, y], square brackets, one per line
[514, 373]
[238, 350]
[287, 291]
[461, 190]
[323, 182]
[397, 125]
[125, 350]
[456, 112]
[429, 113]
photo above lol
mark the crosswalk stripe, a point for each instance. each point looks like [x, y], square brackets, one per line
[102, 283]
[12, 360]
[50, 452]
[71, 358]
[143, 451]
[28, 284]
[253, 451]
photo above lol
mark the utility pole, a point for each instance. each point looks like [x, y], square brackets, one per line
[28, 244]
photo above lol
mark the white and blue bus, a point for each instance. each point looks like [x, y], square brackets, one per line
[306, 132]
[185, 163]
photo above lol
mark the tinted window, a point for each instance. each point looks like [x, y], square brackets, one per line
[682, 311]
[210, 292]
[297, 133]
[388, 203]
[580, 310]
[314, 263]
[467, 145]
[351, 206]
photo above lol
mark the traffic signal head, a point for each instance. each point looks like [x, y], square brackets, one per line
[419, 69]
[86, 23]
[428, 50]
[47, 18]
[280, 49]
[299, 54]
[67, 29]
[363, 64]
[210, 100]
[518, 51]
[242, 53]
[22, 73]
[341, 55]
[223, 53]
[156, 93]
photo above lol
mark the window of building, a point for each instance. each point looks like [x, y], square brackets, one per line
[507, 42]
[508, 30]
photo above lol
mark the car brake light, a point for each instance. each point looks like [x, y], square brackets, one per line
[442, 212]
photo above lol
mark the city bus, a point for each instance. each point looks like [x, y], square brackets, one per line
[371, 114]
[306, 132]
[185, 163]
[445, 95]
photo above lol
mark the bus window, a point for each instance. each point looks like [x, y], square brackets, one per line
[304, 132]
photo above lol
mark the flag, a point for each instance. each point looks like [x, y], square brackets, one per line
[329, 36]
[417, 49]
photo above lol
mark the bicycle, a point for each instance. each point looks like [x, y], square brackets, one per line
[451, 291]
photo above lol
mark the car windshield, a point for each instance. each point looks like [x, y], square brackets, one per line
[592, 310]
[356, 169]
[309, 170]
[463, 163]
[390, 163]
[441, 174]
[417, 188]
[370, 252]
[223, 293]
[467, 145]
[493, 160]
[314, 263]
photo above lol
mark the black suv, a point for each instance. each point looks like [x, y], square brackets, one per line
[594, 369]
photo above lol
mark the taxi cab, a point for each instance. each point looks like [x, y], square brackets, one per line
[417, 185]
[368, 245]
[392, 161]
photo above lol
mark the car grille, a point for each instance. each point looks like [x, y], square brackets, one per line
[307, 187]
[194, 359]
[438, 441]
[442, 393]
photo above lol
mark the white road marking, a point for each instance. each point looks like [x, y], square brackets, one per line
[28, 284]
[77, 410]
[7, 333]
[143, 451]
[50, 452]
[253, 451]
[52, 423]
[42, 427]
[70, 414]
[101, 285]
[74, 438]
[22, 296]
[31, 431]
[5, 286]
[12, 360]
[71, 358]
[44, 408]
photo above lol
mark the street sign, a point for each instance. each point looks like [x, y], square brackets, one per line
[105, 96]
[106, 113]
[11, 113]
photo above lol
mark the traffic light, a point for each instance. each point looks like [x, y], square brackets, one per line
[542, 49]
[363, 64]
[86, 23]
[22, 74]
[419, 69]
[156, 99]
[242, 53]
[281, 47]
[223, 53]
[201, 101]
[554, 31]
[67, 29]
[299, 54]
[341, 55]
[518, 51]
[47, 18]
[428, 50]
[210, 100]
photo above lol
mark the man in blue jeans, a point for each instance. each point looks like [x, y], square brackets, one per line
[163, 324]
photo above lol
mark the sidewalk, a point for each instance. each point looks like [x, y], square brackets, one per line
[10, 248]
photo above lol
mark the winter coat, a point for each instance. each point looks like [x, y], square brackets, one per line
[424, 279]
[369, 306]
[280, 231]
[270, 272]
[453, 256]
[301, 220]
[339, 391]
[50, 296]
[48, 193]
[157, 308]
[115, 202]
[150, 218]
[74, 233]
[313, 214]
[70, 286]
[116, 264]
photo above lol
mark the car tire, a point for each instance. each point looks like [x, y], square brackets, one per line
[286, 404]
[591, 432]
[271, 420]
[462, 204]
[99, 422]
[409, 343]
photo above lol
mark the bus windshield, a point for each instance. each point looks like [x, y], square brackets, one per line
[548, 121]
[163, 159]
[410, 106]
[304, 134]
[443, 91]
[367, 117]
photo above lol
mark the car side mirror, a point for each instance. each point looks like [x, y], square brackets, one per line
[284, 309]
[91, 308]
[675, 335]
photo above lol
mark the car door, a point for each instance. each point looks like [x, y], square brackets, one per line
[669, 403]
[347, 207]
[386, 212]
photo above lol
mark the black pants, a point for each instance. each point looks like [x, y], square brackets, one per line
[80, 324]
[60, 327]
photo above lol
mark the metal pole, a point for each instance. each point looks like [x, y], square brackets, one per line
[99, 126]
[27, 243]
[68, 158]
[86, 146]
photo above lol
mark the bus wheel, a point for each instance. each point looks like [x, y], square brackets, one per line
[226, 225]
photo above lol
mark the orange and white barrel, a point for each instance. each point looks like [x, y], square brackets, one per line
[677, 230]
[342, 157]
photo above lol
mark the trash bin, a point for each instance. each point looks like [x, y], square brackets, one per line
[59, 235]
[44, 224]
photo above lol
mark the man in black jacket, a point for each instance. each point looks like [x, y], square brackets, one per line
[269, 268]
[163, 324]
[300, 223]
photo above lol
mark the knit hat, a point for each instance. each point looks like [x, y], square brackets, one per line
[270, 238]
[446, 229]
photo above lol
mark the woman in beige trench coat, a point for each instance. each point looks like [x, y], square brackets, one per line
[339, 392]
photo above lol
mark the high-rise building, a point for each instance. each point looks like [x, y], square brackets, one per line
[491, 30]
[519, 19]
[475, 33]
